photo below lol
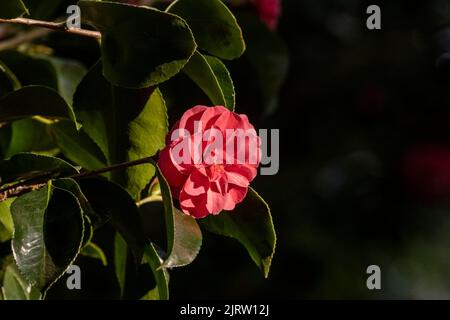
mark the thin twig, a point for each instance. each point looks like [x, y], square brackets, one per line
[119, 166]
[29, 183]
[57, 26]
[15, 189]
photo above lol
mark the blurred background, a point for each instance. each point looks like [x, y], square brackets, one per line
[365, 158]
[365, 155]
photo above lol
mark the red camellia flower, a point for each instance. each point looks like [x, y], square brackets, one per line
[426, 170]
[269, 11]
[212, 155]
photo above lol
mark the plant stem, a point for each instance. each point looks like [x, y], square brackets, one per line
[39, 180]
[119, 166]
[57, 26]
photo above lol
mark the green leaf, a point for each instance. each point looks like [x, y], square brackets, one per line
[29, 135]
[70, 73]
[10, 9]
[34, 101]
[120, 261]
[214, 26]
[211, 75]
[114, 204]
[48, 234]
[8, 80]
[30, 69]
[25, 166]
[151, 295]
[70, 185]
[6, 223]
[160, 273]
[269, 57]
[92, 250]
[184, 237]
[77, 146]
[251, 224]
[141, 46]
[62, 75]
[127, 124]
[16, 288]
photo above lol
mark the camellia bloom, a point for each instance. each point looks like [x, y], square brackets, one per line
[212, 155]
[269, 11]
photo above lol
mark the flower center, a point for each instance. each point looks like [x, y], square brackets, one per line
[216, 171]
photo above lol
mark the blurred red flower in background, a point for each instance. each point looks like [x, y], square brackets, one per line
[426, 172]
[269, 11]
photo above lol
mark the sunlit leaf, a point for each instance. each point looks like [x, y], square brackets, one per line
[161, 274]
[251, 224]
[29, 135]
[77, 146]
[48, 234]
[127, 124]
[214, 26]
[213, 78]
[141, 46]
[16, 288]
[184, 237]
[92, 250]
[6, 223]
[8, 80]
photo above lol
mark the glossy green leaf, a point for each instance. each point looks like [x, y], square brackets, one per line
[8, 80]
[141, 46]
[16, 288]
[10, 9]
[160, 273]
[112, 203]
[25, 166]
[127, 124]
[62, 75]
[29, 135]
[34, 101]
[214, 26]
[151, 295]
[184, 237]
[92, 250]
[6, 223]
[211, 75]
[120, 261]
[77, 146]
[70, 185]
[48, 234]
[70, 73]
[251, 224]
[30, 69]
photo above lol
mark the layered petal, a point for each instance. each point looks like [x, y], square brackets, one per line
[206, 185]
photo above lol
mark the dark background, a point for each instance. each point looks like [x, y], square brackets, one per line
[364, 176]
[365, 163]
